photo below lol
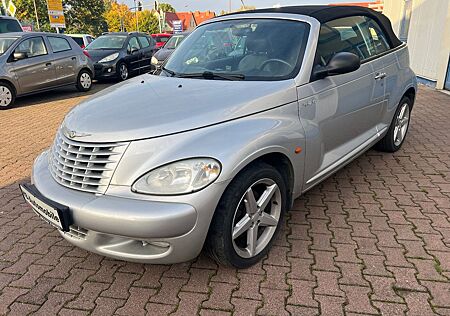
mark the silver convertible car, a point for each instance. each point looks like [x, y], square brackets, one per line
[252, 110]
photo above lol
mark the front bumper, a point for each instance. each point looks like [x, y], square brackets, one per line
[105, 70]
[126, 228]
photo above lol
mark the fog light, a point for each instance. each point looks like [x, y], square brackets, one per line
[109, 69]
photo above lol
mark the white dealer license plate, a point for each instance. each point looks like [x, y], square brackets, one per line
[47, 212]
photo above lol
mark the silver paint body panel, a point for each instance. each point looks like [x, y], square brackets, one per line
[167, 119]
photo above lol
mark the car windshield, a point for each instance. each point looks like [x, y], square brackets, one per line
[245, 49]
[5, 43]
[108, 42]
[9, 25]
[174, 41]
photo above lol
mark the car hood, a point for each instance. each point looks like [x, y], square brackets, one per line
[99, 54]
[163, 54]
[151, 106]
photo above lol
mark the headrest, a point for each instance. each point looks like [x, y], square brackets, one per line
[257, 45]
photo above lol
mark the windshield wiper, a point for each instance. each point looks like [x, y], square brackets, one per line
[212, 75]
[170, 72]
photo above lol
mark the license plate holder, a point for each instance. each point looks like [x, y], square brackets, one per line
[52, 212]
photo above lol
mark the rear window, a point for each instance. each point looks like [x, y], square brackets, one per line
[59, 44]
[9, 25]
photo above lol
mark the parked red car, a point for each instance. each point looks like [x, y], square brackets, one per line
[161, 39]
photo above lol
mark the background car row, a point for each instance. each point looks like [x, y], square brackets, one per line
[32, 62]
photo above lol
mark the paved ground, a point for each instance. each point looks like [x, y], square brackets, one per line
[375, 238]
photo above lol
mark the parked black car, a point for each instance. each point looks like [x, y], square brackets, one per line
[119, 55]
[161, 55]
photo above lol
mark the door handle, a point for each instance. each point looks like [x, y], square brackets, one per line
[380, 76]
[74, 58]
[48, 64]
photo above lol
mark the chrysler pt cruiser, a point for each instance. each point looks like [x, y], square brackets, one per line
[252, 110]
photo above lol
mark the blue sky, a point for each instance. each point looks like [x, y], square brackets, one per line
[218, 5]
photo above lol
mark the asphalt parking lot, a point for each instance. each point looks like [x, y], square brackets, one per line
[372, 239]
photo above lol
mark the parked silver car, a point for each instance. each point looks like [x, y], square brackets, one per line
[35, 62]
[219, 145]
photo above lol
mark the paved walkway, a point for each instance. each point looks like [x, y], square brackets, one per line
[373, 239]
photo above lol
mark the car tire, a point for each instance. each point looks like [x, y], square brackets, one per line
[84, 81]
[7, 96]
[237, 219]
[123, 72]
[396, 135]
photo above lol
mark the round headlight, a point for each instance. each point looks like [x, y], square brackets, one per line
[181, 177]
[154, 61]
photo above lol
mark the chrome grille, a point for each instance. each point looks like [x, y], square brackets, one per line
[77, 232]
[84, 166]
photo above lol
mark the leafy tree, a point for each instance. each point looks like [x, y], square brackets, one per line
[166, 7]
[85, 16]
[118, 17]
[25, 12]
[148, 22]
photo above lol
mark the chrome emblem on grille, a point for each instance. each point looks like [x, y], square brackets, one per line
[73, 134]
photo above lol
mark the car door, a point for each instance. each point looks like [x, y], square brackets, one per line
[36, 71]
[133, 58]
[64, 60]
[340, 113]
[146, 51]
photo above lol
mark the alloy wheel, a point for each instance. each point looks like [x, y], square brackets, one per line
[256, 218]
[5, 96]
[85, 80]
[123, 72]
[401, 124]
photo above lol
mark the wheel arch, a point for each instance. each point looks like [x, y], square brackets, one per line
[281, 162]
[2, 80]
[88, 70]
[411, 94]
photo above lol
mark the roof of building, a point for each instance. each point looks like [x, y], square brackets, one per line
[187, 18]
[325, 13]
[203, 16]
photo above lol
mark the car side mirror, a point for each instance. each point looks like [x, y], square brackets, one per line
[19, 55]
[340, 63]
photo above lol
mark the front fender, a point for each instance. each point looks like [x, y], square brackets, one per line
[235, 144]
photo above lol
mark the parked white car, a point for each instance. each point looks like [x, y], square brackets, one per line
[83, 40]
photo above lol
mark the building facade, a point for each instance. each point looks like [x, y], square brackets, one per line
[425, 26]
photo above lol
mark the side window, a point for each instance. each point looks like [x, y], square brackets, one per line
[143, 41]
[358, 35]
[32, 47]
[379, 39]
[133, 44]
[90, 39]
[59, 44]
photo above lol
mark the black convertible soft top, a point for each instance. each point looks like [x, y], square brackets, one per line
[325, 13]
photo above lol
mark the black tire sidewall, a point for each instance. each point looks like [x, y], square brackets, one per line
[79, 85]
[221, 239]
[13, 96]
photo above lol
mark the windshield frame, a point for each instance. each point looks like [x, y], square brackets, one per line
[14, 38]
[311, 25]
